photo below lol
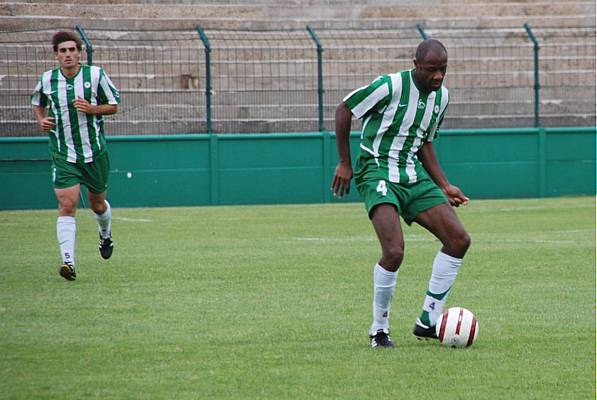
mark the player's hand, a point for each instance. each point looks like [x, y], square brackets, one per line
[455, 196]
[82, 105]
[341, 183]
[46, 124]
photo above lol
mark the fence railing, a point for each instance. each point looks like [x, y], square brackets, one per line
[210, 81]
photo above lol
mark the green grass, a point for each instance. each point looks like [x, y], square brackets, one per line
[274, 302]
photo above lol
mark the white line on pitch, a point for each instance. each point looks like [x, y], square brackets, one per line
[132, 219]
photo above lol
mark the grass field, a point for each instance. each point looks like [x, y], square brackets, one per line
[274, 302]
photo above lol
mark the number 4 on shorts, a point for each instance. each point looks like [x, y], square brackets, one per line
[381, 187]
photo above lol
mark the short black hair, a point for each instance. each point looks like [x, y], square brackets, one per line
[429, 45]
[65, 36]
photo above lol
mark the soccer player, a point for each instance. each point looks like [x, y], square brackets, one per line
[76, 97]
[398, 174]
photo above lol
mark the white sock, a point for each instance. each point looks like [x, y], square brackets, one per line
[66, 231]
[384, 282]
[443, 275]
[104, 221]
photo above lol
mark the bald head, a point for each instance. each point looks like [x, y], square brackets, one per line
[431, 63]
[430, 45]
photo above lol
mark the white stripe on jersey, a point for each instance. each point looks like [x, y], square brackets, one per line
[94, 77]
[442, 109]
[353, 92]
[365, 122]
[107, 86]
[71, 155]
[426, 120]
[410, 164]
[46, 83]
[389, 113]
[370, 101]
[83, 129]
[400, 138]
[36, 98]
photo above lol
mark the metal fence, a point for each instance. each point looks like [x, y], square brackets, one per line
[23, 57]
[567, 76]
[262, 81]
[158, 74]
[291, 81]
[490, 77]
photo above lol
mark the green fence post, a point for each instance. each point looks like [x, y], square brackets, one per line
[422, 31]
[205, 41]
[88, 46]
[325, 148]
[319, 74]
[214, 167]
[536, 86]
[542, 143]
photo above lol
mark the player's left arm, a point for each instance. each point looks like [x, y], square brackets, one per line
[429, 160]
[107, 98]
[84, 106]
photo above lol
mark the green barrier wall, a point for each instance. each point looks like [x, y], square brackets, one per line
[192, 170]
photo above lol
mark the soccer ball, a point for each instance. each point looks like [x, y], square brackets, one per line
[457, 327]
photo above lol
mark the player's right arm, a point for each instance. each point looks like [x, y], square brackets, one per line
[39, 101]
[45, 123]
[343, 175]
[358, 103]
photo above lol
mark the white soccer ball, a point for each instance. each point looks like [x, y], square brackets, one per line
[457, 327]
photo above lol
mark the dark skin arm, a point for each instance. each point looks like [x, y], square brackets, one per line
[429, 160]
[343, 175]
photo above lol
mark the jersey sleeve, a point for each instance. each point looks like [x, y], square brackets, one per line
[444, 101]
[38, 97]
[374, 96]
[107, 92]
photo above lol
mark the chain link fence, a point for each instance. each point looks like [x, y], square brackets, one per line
[490, 77]
[492, 80]
[567, 76]
[160, 75]
[24, 55]
[352, 59]
[263, 81]
[291, 81]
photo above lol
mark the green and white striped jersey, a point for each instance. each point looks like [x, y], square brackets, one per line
[77, 137]
[397, 120]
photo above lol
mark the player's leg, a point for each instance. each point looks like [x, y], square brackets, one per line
[66, 229]
[103, 215]
[442, 221]
[65, 179]
[383, 206]
[386, 223]
[103, 212]
[96, 180]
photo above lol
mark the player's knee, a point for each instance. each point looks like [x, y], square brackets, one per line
[67, 206]
[394, 255]
[98, 207]
[461, 242]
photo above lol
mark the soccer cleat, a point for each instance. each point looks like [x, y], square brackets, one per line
[381, 339]
[67, 271]
[105, 247]
[422, 331]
